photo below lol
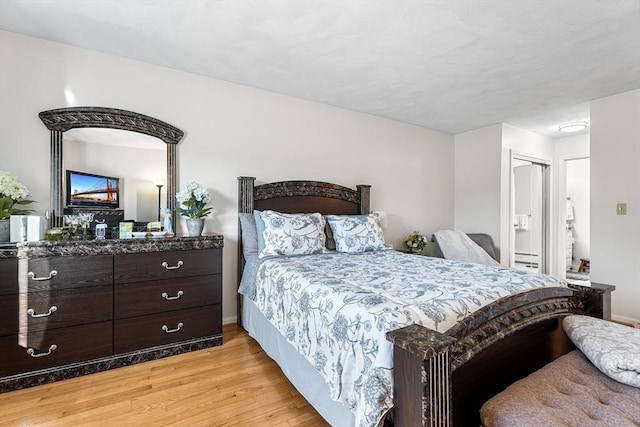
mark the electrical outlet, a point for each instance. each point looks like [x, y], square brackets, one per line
[621, 209]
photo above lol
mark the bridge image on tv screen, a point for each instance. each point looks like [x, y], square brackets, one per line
[88, 189]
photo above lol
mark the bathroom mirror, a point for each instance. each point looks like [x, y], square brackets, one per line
[62, 120]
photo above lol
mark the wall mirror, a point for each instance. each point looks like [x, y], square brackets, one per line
[98, 139]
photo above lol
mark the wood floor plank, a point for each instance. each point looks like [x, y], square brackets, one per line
[232, 385]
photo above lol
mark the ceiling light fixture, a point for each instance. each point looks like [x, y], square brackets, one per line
[573, 126]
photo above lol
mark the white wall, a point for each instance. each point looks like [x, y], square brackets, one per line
[230, 130]
[615, 178]
[477, 181]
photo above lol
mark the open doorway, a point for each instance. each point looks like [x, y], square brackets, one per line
[577, 224]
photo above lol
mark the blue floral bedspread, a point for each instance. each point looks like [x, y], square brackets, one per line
[336, 308]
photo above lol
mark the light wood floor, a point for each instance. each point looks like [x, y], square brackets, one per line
[235, 384]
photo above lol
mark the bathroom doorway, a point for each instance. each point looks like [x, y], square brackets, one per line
[578, 220]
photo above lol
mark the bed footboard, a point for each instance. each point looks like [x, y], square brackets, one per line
[443, 379]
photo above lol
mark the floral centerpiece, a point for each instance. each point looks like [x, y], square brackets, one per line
[416, 241]
[12, 193]
[194, 199]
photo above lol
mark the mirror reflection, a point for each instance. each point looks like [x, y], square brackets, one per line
[138, 161]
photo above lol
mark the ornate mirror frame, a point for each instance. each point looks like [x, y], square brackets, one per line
[61, 120]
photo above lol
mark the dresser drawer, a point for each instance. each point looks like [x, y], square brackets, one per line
[9, 314]
[49, 273]
[43, 349]
[166, 265]
[8, 276]
[140, 298]
[135, 333]
[35, 311]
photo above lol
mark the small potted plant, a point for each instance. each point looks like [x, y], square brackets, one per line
[12, 193]
[194, 199]
[416, 242]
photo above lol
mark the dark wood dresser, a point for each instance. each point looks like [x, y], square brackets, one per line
[72, 308]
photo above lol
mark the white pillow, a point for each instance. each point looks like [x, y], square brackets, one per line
[292, 234]
[357, 233]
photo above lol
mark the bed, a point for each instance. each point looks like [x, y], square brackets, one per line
[440, 374]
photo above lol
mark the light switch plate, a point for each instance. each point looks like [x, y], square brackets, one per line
[621, 209]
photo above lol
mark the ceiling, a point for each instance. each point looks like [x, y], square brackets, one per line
[453, 66]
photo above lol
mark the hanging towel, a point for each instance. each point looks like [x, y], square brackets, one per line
[522, 222]
[571, 215]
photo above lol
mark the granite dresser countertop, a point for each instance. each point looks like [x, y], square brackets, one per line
[47, 248]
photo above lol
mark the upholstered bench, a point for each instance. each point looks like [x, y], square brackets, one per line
[572, 391]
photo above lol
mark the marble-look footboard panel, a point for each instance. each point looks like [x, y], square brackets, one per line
[425, 360]
[58, 373]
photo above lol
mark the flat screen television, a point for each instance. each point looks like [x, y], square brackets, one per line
[91, 190]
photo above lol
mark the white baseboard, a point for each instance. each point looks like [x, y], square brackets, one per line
[227, 320]
[624, 319]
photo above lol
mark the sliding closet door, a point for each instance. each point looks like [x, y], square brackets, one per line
[530, 215]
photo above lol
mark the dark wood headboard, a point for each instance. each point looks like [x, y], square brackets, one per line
[302, 196]
[297, 197]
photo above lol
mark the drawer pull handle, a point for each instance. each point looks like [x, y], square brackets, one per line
[32, 276]
[173, 267]
[170, 331]
[31, 312]
[168, 298]
[31, 352]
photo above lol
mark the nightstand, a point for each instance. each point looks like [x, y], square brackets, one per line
[597, 296]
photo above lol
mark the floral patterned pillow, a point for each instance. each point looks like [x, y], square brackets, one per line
[356, 233]
[292, 234]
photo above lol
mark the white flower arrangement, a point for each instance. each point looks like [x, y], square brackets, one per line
[416, 241]
[194, 197]
[12, 192]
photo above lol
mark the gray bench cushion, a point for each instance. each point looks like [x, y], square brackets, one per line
[567, 392]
